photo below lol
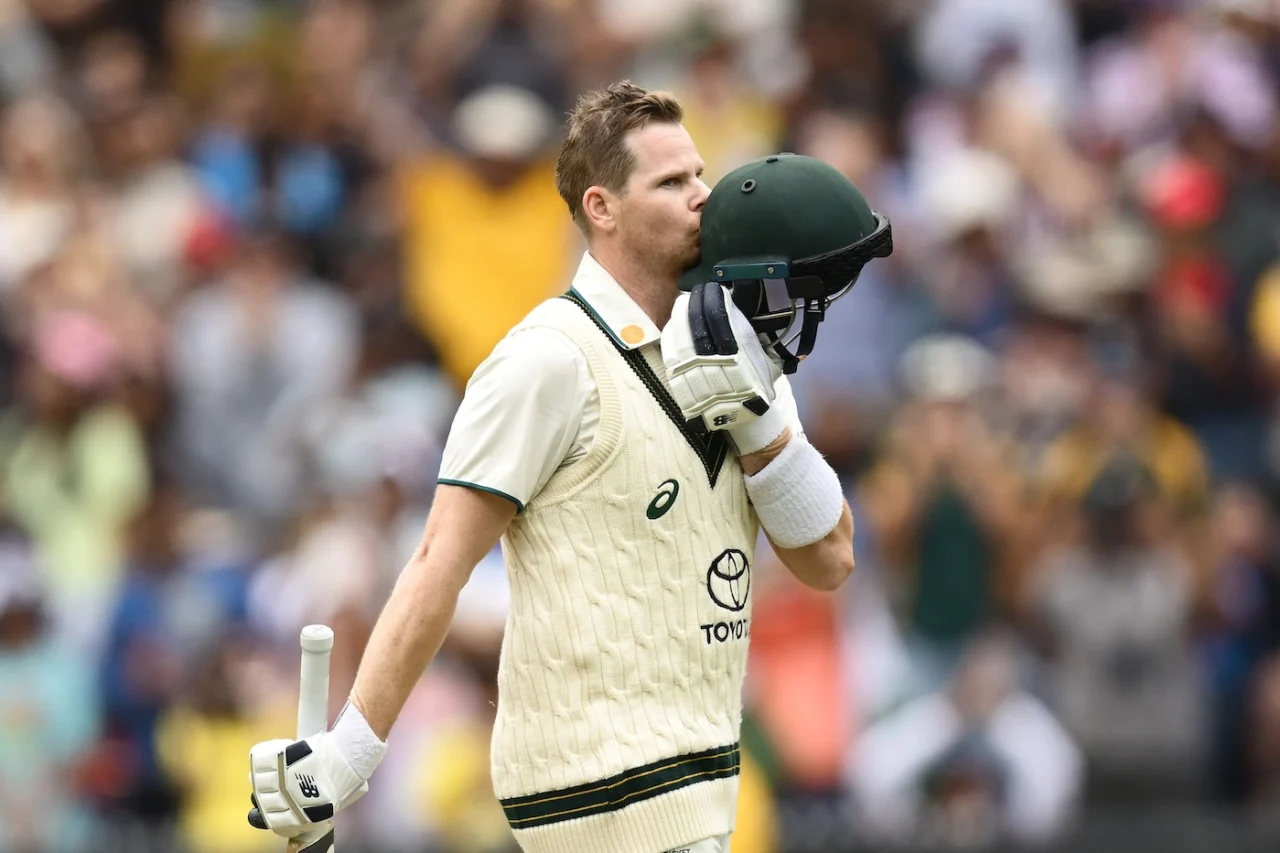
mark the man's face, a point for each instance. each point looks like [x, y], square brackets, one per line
[659, 215]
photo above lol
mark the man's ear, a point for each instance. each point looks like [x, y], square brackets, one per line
[599, 205]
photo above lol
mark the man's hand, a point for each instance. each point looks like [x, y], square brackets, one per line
[298, 784]
[720, 374]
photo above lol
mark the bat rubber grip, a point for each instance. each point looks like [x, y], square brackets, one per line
[313, 717]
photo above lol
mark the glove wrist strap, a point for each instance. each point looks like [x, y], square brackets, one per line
[760, 432]
[356, 742]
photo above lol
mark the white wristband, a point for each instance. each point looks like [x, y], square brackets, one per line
[797, 495]
[356, 741]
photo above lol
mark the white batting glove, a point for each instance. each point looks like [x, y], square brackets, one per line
[720, 374]
[299, 784]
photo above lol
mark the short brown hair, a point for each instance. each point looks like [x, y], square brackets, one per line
[595, 152]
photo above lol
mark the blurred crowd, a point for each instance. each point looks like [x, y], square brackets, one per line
[251, 250]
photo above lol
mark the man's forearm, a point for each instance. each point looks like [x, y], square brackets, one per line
[826, 563]
[465, 524]
[408, 634]
[823, 564]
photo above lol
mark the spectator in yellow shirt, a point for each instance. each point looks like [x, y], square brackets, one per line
[235, 698]
[486, 238]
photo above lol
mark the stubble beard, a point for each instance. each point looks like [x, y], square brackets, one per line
[693, 255]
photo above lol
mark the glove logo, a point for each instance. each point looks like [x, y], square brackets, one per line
[307, 785]
[729, 580]
[725, 419]
[667, 491]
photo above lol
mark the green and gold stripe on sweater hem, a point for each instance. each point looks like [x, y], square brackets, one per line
[626, 788]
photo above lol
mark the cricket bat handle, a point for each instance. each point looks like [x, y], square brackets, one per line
[313, 717]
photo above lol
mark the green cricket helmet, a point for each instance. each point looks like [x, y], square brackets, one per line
[791, 235]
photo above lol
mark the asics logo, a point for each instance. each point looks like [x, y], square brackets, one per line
[667, 491]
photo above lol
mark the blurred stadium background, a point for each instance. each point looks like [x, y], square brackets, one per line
[250, 250]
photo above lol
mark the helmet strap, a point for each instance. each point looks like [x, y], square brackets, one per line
[789, 361]
[815, 310]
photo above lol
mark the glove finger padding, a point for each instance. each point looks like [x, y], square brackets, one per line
[255, 814]
[699, 331]
[709, 320]
[719, 373]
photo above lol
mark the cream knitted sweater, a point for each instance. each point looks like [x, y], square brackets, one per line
[625, 650]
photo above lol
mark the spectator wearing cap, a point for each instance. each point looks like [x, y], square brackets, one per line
[1113, 609]
[943, 498]
[979, 760]
[484, 218]
[970, 200]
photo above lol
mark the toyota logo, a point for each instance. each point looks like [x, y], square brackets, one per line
[729, 580]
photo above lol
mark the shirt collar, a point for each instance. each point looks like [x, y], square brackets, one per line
[626, 323]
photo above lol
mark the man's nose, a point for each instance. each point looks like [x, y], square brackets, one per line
[700, 199]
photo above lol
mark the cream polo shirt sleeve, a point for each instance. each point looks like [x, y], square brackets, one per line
[521, 417]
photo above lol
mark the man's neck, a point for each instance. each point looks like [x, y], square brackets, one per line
[654, 294]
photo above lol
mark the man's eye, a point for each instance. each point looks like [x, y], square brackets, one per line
[670, 182]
